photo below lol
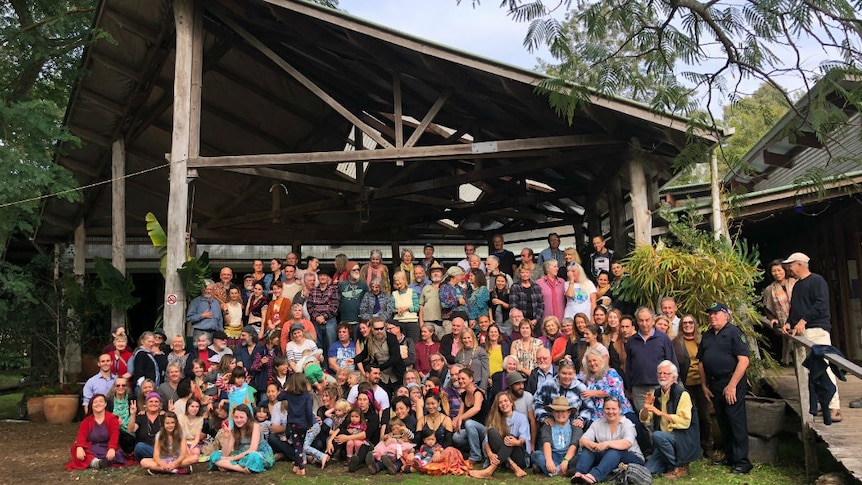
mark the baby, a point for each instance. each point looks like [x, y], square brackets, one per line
[429, 452]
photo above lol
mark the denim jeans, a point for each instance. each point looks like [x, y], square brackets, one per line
[326, 336]
[471, 435]
[538, 457]
[601, 464]
[309, 438]
[663, 456]
[143, 450]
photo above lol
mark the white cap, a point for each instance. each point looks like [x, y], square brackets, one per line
[801, 257]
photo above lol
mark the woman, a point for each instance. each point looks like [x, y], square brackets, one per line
[341, 272]
[145, 366]
[405, 305]
[577, 344]
[277, 312]
[364, 331]
[233, 322]
[603, 284]
[120, 356]
[479, 297]
[469, 424]
[499, 380]
[434, 417]
[601, 382]
[571, 256]
[375, 269]
[178, 354]
[525, 348]
[580, 292]
[146, 388]
[201, 352]
[402, 409]
[245, 451]
[497, 347]
[278, 421]
[280, 371]
[499, 303]
[607, 443]
[277, 274]
[425, 347]
[558, 351]
[255, 305]
[98, 441]
[407, 265]
[685, 347]
[200, 386]
[370, 409]
[508, 438]
[591, 338]
[473, 357]
[376, 302]
[613, 339]
[662, 324]
[776, 302]
[551, 327]
[297, 346]
[122, 405]
[296, 317]
[191, 422]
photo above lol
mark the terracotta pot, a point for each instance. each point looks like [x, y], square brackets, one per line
[61, 408]
[36, 409]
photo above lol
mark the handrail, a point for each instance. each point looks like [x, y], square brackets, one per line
[836, 359]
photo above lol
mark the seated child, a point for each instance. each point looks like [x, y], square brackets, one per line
[429, 452]
[395, 451]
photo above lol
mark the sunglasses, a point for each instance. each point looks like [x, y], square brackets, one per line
[119, 385]
[687, 321]
[378, 328]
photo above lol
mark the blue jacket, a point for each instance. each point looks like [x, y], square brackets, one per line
[643, 357]
[546, 394]
[195, 314]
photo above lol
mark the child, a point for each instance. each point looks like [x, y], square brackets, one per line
[559, 441]
[243, 451]
[192, 423]
[334, 418]
[300, 417]
[169, 450]
[262, 416]
[356, 425]
[240, 392]
[429, 452]
[395, 451]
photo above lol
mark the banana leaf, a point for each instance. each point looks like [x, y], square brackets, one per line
[159, 240]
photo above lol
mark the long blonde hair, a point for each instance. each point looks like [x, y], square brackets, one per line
[496, 419]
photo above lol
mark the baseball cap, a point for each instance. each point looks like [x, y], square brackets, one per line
[718, 307]
[801, 257]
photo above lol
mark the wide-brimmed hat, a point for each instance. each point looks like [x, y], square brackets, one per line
[559, 404]
[435, 265]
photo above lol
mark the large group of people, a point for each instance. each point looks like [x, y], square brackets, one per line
[461, 370]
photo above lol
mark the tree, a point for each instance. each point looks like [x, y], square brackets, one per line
[707, 49]
[751, 117]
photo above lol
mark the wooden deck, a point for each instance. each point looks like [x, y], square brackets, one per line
[844, 439]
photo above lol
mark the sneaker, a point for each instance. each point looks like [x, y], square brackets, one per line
[836, 415]
[150, 472]
[390, 466]
[103, 464]
[204, 459]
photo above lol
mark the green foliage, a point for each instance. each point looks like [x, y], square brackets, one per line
[752, 117]
[159, 240]
[193, 273]
[115, 289]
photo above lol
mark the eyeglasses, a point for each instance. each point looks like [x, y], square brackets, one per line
[119, 385]
[565, 363]
[378, 328]
[687, 321]
[665, 373]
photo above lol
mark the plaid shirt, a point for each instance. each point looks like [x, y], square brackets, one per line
[520, 298]
[323, 303]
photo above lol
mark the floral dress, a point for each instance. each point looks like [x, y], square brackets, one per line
[612, 384]
[256, 462]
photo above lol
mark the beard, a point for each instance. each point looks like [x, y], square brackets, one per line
[517, 393]
[665, 382]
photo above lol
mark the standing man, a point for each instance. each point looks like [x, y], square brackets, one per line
[504, 256]
[528, 260]
[469, 251]
[322, 306]
[668, 308]
[204, 313]
[644, 351]
[291, 285]
[428, 251]
[527, 297]
[601, 258]
[809, 314]
[723, 356]
[553, 251]
[453, 298]
[430, 310]
[553, 292]
[100, 383]
[350, 292]
[419, 279]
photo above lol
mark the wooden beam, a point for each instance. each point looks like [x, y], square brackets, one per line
[308, 83]
[499, 149]
[805, 139]
[298, 178]
[78, 166]
[396, 94]
[90, 136]
[118, 218]
[116, 66]
[641, 212]
[126, 23]
[102, 102]
[429, 117]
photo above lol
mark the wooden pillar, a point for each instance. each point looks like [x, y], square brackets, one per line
[118, 217]
[640, 201]
[617, 215]
[72, 364]
[296, 248]
[396, 258]
[807, 435]
[719, 224]
[594, 220]
[185, 143]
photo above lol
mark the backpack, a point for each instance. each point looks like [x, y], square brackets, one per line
[630, 474]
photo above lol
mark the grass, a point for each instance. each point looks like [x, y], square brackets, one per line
[9, 405]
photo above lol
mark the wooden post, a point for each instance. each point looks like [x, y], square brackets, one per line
[296, 248]
[72, 362]
[617, 210]
[399, 115]
[594, 220]
[719, 226]
[640, 203]
[807, 435]
[185, 144]
[118, 218]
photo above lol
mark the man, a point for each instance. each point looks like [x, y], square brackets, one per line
[567, 386]
[247, 290]
[553, 252]
[553, 291]
[219, 345]
[810, 316]
[601, 258]
[492, 263]
[220, 290]
[669, 309]
[419, 279]
[301, 297]
[505, 257]
[350, 293]
[250, 351]
[293, 260]
[723, 356]
[383, 352]
[342, 353]
[428, 251]
[527, 297]
[469, 250]
[291, 285]
[544, 372]
[644, 350]
[676, 439]
[168, 389]
[205, 313]
[322, 304]
[522, 400]
[450, 343]
[257, 270]
[406, 346]
[430, 310]
[100, 383]
[453, 298]
[372, 375]
[528, 260]
[475, 262]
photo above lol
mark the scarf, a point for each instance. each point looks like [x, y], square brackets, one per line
[781, 297]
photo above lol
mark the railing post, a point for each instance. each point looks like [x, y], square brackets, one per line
[807, 434]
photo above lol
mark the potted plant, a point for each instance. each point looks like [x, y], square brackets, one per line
[61, 403]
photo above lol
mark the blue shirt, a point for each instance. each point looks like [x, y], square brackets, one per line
[342, 353]
[519, 427]
[196, 310]
[97, 384]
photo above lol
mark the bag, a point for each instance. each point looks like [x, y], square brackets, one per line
[630, 474]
